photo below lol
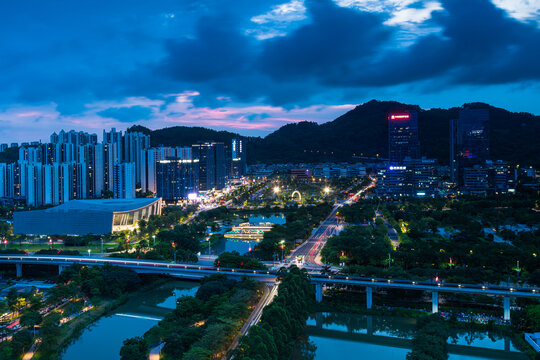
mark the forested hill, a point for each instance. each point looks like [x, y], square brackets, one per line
[364, 131]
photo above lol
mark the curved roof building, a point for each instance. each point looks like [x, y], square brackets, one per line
[83, 217]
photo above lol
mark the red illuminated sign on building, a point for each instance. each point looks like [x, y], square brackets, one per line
[402, 116]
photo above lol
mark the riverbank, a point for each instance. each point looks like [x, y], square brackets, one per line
[71, 331]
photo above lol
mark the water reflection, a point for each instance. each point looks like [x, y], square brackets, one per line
[388, 337]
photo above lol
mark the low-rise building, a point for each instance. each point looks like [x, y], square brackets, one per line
[84, 217]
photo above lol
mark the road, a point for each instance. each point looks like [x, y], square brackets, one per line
[314, 244]
[155, 352]
[311, 248]
[269, 295]
[392, 233]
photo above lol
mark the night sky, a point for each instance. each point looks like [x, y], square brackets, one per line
[252, 66]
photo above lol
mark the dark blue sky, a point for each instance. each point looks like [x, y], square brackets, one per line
[252, 66]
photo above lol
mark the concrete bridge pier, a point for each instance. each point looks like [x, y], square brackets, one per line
[19, 269]
[318, 292]
[369, 297]
[319, 320]
[61, 268]
[369, 324]
[434, 302]
[506, 303]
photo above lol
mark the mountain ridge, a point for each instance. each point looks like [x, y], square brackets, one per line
[362, 131]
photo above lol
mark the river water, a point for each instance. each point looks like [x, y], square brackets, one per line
[103, 339]
[346, 336]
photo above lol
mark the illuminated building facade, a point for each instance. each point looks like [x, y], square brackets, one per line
[176, 179]
[469, 142]
[403, 137]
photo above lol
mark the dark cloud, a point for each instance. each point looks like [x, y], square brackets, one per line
[127, 114]
[478, 44]
[335, 38]
[75, 53]
[217, 49]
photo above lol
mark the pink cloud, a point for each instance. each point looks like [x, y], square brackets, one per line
[22, 123]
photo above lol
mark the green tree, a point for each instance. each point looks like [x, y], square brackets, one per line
[31, 318]
[133, 349]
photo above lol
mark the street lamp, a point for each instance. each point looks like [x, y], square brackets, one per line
[154, 237]
[282, 242]
[326, 190]
[174, 253]
[89, 252]
[276, 189]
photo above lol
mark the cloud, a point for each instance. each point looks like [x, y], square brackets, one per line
[326, 46]
[80, 59]
[127, 114]
[495, 49]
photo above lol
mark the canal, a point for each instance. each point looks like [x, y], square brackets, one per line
[343, 336]
[103, 339]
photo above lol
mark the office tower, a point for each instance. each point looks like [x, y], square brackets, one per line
[205, 170]
[135, 143]
[238, 159]
[475, 179]
[414, 177]
[423, 176]
[392, 181]
[469, 142]
[219, 165]
[14, 144]
[124, 180]
[403, 137]
[175, 179]
[3, 147]
[501, 176]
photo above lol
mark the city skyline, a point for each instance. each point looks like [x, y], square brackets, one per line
[278, 62]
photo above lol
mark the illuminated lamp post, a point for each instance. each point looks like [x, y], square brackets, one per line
[174, 249]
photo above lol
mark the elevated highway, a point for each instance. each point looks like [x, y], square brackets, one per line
[190, 271]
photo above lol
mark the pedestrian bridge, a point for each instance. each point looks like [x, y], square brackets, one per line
[193, 271]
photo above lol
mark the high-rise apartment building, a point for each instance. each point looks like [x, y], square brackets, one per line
[124, 180]
[135, 144]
